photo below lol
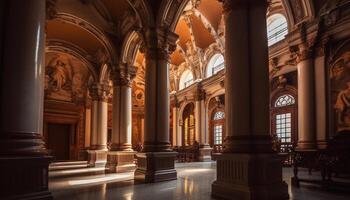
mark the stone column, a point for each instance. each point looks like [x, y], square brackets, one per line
[121, 155]
[248, 168]
[200, 127]
[321, 95]
[98, 147]
[306, 99]
[156, 162]
[23, 158]
[175, 122]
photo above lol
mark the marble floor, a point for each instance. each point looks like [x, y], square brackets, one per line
[194, 182]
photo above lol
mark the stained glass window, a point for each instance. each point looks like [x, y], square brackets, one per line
[219, 115]
[284, 100]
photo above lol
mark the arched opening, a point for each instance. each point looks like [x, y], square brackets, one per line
[277, 28]
[186, 79]
[218, 128]
[188, 128]
[215, 64]
[284, 121]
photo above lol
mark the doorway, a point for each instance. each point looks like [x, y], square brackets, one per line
[59, 140]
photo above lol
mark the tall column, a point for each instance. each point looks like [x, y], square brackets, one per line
[321, 95]
[121, 156]
[175, 122]
[23, 158]
[156, 162]
[306, 99]
[98, 141]
[248, 168]
[200, 127]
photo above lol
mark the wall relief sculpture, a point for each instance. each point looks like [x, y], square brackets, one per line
[340, 88]
[66, 78]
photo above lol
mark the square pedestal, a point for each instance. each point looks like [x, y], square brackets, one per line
[97, 158]
[249, 177]
[24, 178]
[120, 161]
[155, 167]
[205, 154]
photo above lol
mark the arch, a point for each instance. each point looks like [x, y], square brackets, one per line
[131, 44]
[144, 12]
[186, 79]
[284, 119]
[215, 64]
[61, 46]
[277, 28]
[188, 128]
[87, 26]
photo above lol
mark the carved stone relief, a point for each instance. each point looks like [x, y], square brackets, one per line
[340, 88]
[66, 78]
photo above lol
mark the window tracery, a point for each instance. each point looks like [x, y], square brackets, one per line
[284, 100]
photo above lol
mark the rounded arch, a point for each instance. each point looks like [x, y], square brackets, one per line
[144, 12]
[215, 64]
[169, 18]
[105, 73]
[284, 119]
[186, 79]
[277, 28]
[90, 28]
[131, 44]
[188, 125]
[73, 50]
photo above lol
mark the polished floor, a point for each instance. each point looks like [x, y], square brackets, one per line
[194, 182]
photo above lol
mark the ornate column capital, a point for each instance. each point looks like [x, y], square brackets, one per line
[230, 5]
[302, 51]
[123, 74]
[159, 43]
[320, 48]
[99, 92]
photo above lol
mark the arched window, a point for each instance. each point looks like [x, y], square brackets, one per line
[284, 100]
[188, 127]
[186, 79]
[216, 64]
[283, 121]
[277, 28]
[218, 127]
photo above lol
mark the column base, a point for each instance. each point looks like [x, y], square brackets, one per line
[205, 153]
[24, 178]
[305, 145]
[249, 176]
[322, 144]
[120, 161]
[97, 158]
[155, 167]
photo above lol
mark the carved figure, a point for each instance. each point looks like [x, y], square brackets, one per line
[59, 76]
[342, 106]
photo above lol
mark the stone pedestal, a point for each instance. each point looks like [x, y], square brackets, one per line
[249, 176]
[155, 167]
[205, 153]
[97, 158]
[120, 161]
[24, 177]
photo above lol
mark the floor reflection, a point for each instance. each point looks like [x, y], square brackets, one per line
[194, 182]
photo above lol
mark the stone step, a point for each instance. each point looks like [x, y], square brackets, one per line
[65, 163]
[67, 167]
[85, 171]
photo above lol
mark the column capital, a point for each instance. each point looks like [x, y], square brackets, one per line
[302, 51]
[230, 5]
[99, 92]
[123, 74]
[159, 43]
[320, 48]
